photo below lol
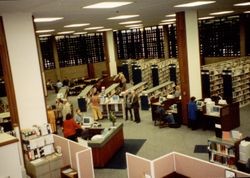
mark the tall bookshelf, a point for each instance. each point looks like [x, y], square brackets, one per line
[229, 79]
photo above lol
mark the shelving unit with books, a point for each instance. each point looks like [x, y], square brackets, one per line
[160, 90]
[229, 79]
[225, 152]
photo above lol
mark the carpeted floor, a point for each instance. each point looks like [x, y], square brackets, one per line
[201, 149]
[119, 159]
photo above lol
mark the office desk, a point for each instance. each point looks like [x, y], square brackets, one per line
[228, 119]
[104, 149]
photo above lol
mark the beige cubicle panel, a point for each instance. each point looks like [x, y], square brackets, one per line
[196, 168]
[74, 148]
[164, 165]
[63, 144]
[138, 166]
[85, 164]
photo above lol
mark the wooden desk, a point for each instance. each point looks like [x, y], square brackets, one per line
[104, 149]
[229, 117]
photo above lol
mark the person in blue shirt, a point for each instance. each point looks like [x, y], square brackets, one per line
[192, 114]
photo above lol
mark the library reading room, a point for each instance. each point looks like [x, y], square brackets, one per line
[124, 89]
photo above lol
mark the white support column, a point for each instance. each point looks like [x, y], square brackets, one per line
[193, 52]
[111, 53]
[25, 68]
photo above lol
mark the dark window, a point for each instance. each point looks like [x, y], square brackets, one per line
[47, 52]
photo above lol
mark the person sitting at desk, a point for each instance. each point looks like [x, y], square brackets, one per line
[78, 116]
[165, 117]
[70, 128]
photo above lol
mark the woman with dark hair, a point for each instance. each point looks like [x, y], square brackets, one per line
[70, 127]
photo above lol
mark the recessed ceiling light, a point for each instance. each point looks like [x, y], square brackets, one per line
[93, 28]
[105, 29]
[45, 35]
[80, 33]
[47, 19]
[169, 20]
[135, 25]
[242, 4]
[122, 17]
[130, 22]
[65, 32]
[107, 5]
[246, 12]
[171, 15]
[194, 4]
[221, 12]
[77, 25]
[205, 18]
[45, 31]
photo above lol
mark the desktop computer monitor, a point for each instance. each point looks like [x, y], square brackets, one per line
[199, 103]
[115, 98]
[87, 121]
[222, 102]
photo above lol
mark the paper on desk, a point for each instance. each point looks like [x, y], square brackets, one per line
[66, 171]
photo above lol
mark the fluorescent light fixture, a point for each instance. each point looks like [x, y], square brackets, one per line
[106, 5]
[206, 18]
[45, 35]
[122, 17]
[77, 25]
[169, 20]
[221, 12]
[135, 25]
[242, 4]
[246, 12]
[104, 29]
[130, 22]
[171, 15]
[65, 32]
[194, 4]
[47, 19]
[80, 33]
[45, 31]
[166, 23]
[93, 28]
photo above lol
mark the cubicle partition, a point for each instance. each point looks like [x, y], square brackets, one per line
[164, 165]
[138, 166]
[63, 144]
[177, 163]
[85, 164]
[77, 156]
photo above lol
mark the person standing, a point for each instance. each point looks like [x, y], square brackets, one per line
[70, 128]
[128, 105]
[59, 115]
[95, 105]
[66, 108]
[52, 118]
[192, 114]
[135, 105]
